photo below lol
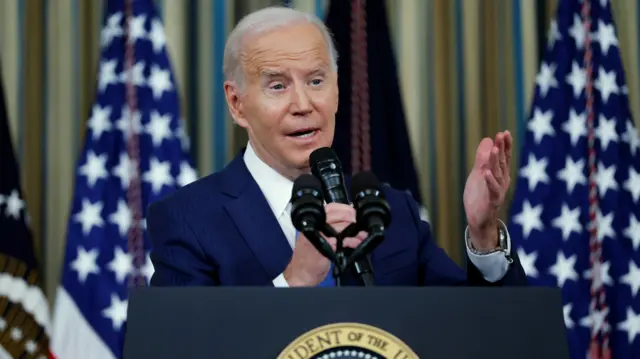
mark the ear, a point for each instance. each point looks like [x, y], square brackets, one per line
[234, 102]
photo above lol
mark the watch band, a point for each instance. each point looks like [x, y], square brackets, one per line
[502, 244]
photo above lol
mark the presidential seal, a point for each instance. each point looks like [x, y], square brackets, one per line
[347, 341]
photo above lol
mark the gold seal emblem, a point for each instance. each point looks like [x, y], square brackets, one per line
[346, 341]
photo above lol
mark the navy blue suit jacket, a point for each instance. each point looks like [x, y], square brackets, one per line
[220, 230]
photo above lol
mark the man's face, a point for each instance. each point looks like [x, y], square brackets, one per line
[290, 98]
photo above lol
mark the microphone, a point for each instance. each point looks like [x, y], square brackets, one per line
[326, 166]
[307, 212]
[372, 211]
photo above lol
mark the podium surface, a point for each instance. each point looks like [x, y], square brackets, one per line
[350, 322]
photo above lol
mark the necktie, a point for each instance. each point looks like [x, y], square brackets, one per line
[328, 281]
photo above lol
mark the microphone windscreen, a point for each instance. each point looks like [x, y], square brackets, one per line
[322, 154]
[306, 181]
[365, 181]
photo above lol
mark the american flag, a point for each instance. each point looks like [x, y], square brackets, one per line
[575, 217]
[135, 152]
[24, 309]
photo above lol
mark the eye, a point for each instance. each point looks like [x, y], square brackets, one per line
[277, 86]
[317, 82]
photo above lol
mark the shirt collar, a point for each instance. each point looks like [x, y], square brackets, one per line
[275, 187]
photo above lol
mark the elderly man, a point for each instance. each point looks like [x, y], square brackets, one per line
[234, 227]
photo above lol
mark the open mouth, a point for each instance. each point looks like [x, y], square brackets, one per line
[305, 133]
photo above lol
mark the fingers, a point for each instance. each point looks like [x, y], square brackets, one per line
[338, 212]
[495, 189]
[508, 146]
[353, 242]
[494, 166]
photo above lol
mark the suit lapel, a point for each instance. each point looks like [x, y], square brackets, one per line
[254, 219]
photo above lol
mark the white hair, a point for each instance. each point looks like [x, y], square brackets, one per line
[262, 21]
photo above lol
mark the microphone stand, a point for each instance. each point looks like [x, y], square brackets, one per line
[361, 266]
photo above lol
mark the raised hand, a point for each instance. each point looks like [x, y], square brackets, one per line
[486, 188]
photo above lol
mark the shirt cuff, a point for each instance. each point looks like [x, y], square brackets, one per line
[280, 282]
[494, 265]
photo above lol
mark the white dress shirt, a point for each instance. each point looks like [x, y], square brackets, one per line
[277, 190]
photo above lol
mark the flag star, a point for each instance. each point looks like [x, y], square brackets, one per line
[577, 32]
[529, 218]
[89, 216]
[126, 170]
[137, 30]
[605, 226]
[121, 218]
[568, 221]
[528, 262]
[187, 174]
[156, 35]
[632, 278]
[554, 34]
[606, 84]
[631, 325]
[158, 128]
[111, 30]
[16, 334]
[14, 205]
[633, 231]
[606, 179]
[577, 79]
[143, 224]
[606, 131]
[631, 137]
[147, 270]
[126, 122]
[566, 311]
[85, 263]
[572, 173]
[134, 75]
[158, 175]
[99, 122]
[563, 269]
[632, 184]
[94, 168]
[159, 81]
[595, 321]
[540, 124]
[605, 36]
[535, 172]
[116, 312]
[546, 78]
[31, 347]
[603, 276]
[121, 265]
[575, 126]
[107, 75]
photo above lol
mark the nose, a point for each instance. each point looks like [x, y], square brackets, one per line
[301, 102]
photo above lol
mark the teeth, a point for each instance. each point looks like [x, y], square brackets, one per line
[308, 134]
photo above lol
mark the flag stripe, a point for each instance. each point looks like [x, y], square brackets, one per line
[75, 337]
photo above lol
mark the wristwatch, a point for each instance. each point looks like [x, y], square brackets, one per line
[503, 244]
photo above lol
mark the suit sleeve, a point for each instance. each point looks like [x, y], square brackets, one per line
[437, 268]
[177, 256]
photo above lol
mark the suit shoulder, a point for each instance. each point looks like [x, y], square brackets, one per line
[201, 191]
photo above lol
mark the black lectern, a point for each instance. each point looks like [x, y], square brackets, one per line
[349, 322]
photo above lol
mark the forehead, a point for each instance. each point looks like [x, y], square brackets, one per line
[299, 45]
